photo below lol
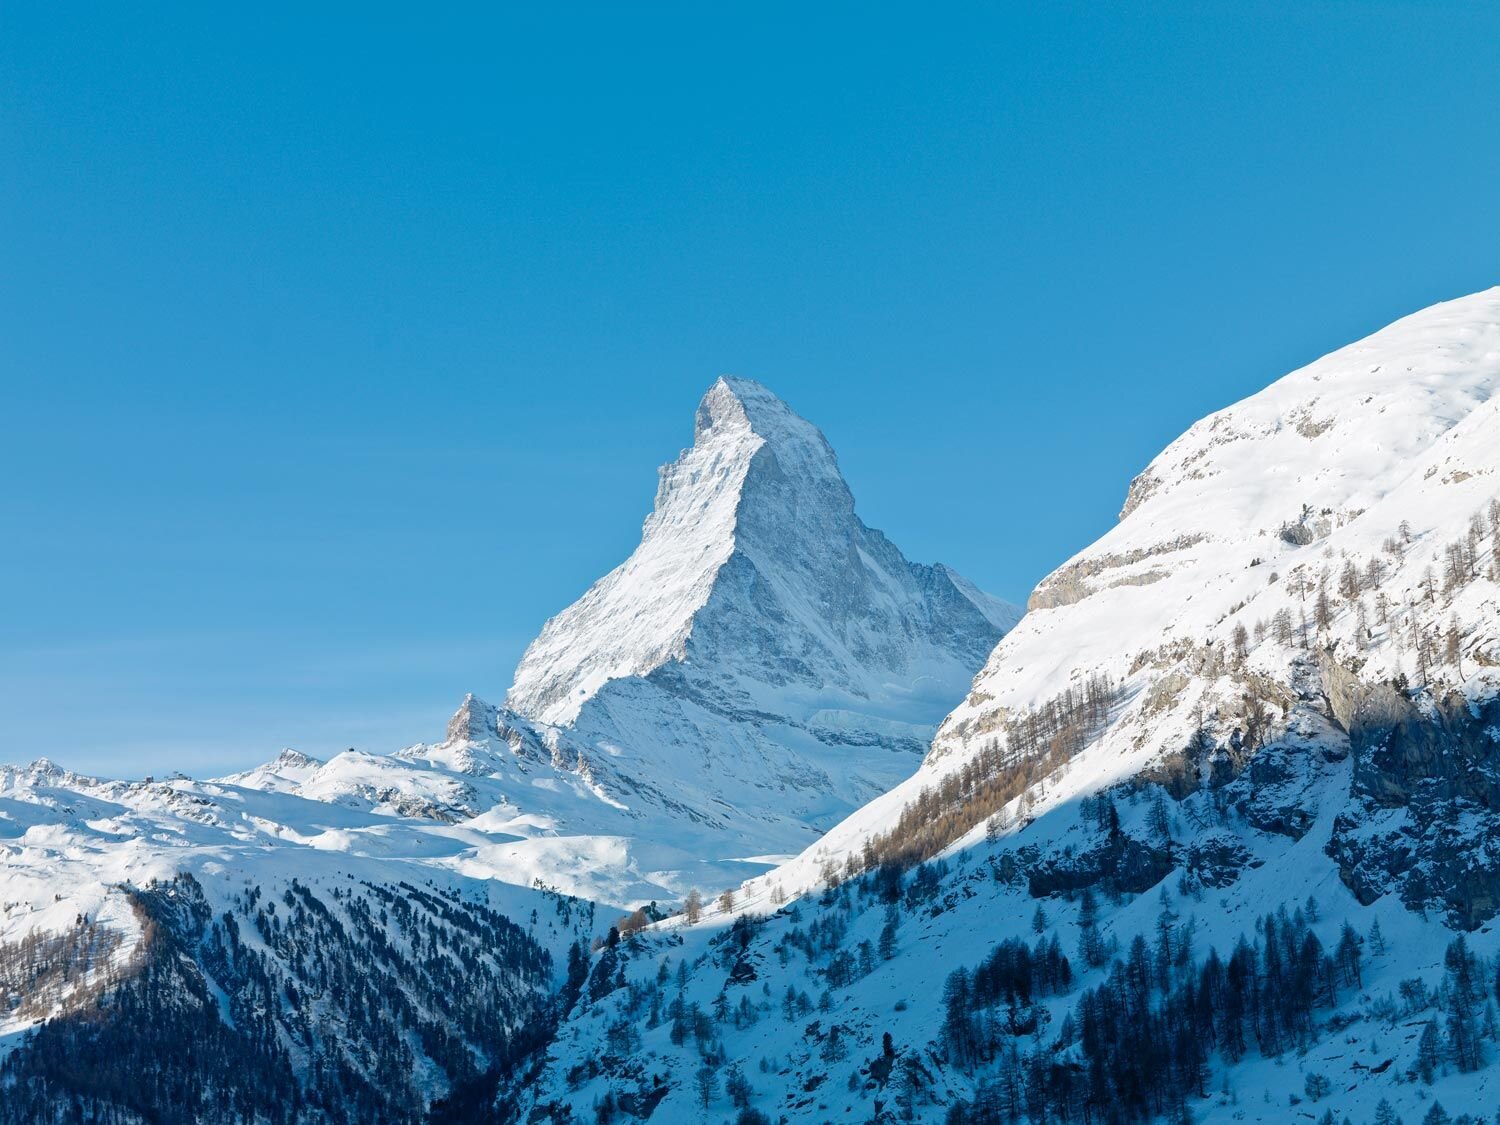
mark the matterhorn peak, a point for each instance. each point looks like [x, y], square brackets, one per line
[734, 404]
[723, 406]
[753, 566]
[781, 445]
[639, 615]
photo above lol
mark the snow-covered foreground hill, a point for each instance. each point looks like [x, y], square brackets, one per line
[182, 950]
[1215, 835]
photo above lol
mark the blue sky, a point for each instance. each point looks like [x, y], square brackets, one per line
[338, 350]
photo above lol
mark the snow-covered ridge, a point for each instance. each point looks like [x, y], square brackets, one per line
[1323, 465]
[1377, 458]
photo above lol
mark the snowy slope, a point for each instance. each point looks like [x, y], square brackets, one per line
[1382, 452]
[69, 842]
[1293, 636]
[231, 938]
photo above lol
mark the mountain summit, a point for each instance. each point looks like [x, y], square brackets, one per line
[761, 641]
[754, 563]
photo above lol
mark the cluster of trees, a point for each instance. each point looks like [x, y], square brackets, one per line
[1138, 1046]
[1461, 557]
[1464, 998]
[645, 1004]
[1431, 643]
[1030, 746]
[822, 936]
[974, 1024]
[153, 1047]
[364, 977]
[639, 1004]
[639, 918]
[45, 972]
[339, 1001]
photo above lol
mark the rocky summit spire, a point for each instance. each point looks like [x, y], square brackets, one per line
[753, 559]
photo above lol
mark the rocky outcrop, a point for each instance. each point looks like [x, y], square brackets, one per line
[1078, 580]
[1442, 749]
[1120, 865]
[1425, 822]
[474, 721]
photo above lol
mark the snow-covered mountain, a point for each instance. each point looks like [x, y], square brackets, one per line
[1261, 716]
[761, 666]
[206, 950]
[759, 588]
[763, 663]
[1274, 571]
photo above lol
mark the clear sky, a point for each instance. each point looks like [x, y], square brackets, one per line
[339, 345]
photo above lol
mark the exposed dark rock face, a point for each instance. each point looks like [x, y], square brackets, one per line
[1445, 751]
[1122, 864]
[1424, 782]
[1217, 860]
[1443, 856]
[1425, 821]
